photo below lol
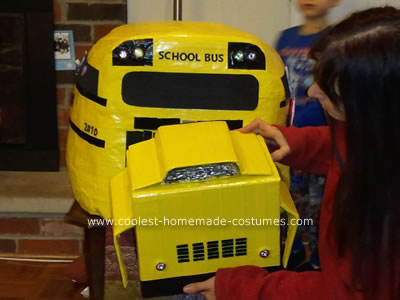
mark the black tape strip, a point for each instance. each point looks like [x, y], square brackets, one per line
[92, 97]
[286, 85]
[191, 90]
[234, 124]
[88, 82]
[154, 123]
[88, 138]
[133, 137]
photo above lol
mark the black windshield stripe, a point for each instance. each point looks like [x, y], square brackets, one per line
[191, 91]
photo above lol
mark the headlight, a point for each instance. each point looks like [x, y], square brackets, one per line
[134, 53]
[245, 56]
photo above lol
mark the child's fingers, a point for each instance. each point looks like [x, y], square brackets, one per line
[194, 288]
[199, 286]
[284, 148]
[208, 295]
[279, 154]
[253, 126]
[271, 134]
[260, 127]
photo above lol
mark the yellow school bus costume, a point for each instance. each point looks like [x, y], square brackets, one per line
[141, 76]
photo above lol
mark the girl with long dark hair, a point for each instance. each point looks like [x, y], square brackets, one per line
[357, 81]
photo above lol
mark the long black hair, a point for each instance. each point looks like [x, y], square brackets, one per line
[358, 67]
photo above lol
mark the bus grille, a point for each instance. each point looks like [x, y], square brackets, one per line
[229, 248]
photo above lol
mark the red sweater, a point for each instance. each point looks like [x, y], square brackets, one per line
[311, 151]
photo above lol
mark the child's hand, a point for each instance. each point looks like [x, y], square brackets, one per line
[206, 288]
[260, 127]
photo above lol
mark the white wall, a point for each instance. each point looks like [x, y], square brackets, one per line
[263, 18]
[346, 7]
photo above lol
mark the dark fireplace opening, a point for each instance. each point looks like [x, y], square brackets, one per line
[28, 106]
[12, 110]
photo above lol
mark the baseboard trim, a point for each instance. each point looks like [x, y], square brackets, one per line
[37, 257]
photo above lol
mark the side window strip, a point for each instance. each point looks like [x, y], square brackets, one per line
[88, 82]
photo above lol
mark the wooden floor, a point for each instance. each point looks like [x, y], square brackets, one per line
[32, 281]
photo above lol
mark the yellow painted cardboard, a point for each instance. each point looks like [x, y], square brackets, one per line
[102, 121]
[256, 193]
